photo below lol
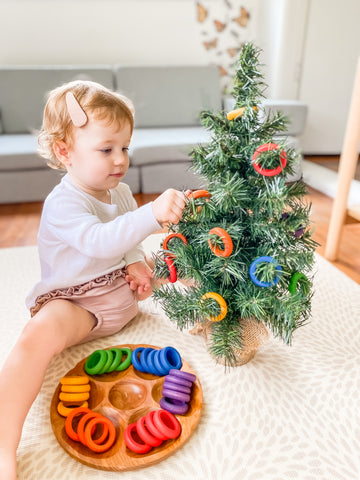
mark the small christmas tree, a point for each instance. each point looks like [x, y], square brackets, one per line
[245, 241]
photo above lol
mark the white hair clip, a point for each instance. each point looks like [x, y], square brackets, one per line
[77, 114]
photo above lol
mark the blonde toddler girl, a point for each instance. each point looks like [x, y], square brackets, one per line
[93, 270]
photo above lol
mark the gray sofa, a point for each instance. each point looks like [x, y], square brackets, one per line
[167, 102]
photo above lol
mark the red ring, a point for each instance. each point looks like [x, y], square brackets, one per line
[68, 422]
[149, 419]
[162, 418]
[169, 237]
[267, 147]
[172, 269]
[111, 434]
[145, 435]
[131, 443]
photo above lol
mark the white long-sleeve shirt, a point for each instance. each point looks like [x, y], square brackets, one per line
[81, 238]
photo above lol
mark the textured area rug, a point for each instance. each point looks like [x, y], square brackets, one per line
[292, 413]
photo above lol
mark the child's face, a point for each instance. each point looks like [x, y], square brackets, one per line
[98, 158]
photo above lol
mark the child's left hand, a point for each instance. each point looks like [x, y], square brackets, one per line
[139, 276]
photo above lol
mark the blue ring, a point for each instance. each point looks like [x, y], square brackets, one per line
[151, 364]
[135, 361]
[174, 362]
[144, 359]
[252, 271]
[162, 371]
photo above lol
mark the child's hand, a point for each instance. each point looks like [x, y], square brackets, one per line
[139, 276]
[169, 206]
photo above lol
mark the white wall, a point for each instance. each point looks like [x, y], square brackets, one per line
[99, 31]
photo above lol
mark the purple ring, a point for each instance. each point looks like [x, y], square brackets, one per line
[172, 406]
[175, 395]
[176, 386]
[178, 381]
[185, 375]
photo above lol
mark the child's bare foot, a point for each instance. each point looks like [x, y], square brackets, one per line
[7, 465]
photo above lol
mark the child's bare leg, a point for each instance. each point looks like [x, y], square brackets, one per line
[59, 324]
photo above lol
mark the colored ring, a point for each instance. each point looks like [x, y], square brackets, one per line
[175, 395]
[117, 355]
[226, 239]
[266, 147]
[135, 361]
[93, 445]
[176, 387]
[145, 435]
[172, 269]
[95, 362]
[65, 411]
[170, 358]
[172, 406]
[190, 377]
[167, 424]
[178, 380]
[169, 237]
[127, 362]
[149, 420]
[109, 360]
[143, 359]
[75, 388]
[222, 305]
[162, 370]
[252, 271]
[74, 397]
[131, 443]
[151, 363]
[69, 419]
[80, 380]
[294, 281]
[81, 425]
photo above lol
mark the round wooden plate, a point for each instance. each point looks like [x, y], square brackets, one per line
[124, 397]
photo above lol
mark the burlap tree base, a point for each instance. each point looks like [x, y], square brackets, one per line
[254, 335]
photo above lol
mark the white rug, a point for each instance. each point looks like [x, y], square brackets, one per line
[292, 413]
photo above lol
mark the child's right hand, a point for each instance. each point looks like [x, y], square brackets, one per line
[169, 206]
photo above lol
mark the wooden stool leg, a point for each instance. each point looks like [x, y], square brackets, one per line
[347, 167]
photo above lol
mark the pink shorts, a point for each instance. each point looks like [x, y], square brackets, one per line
[108, 298]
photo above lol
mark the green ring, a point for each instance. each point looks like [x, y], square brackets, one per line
[116, 359]
[126, 363]
[298, 276]
[93, 365]
[108, 362]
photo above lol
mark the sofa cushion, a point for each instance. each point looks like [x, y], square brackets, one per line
[160, 145]
[18, 152]
[23, 91]
[170, 96]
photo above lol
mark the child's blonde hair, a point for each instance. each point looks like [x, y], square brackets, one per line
[97, 101]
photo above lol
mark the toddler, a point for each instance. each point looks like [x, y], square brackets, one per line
[93, 270]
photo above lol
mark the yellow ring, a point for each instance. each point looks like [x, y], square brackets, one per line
[75, 388]
[74, 397]
[80, 380]
[222, 305]
[64, 411]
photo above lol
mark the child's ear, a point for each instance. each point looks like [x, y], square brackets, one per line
[61, 151]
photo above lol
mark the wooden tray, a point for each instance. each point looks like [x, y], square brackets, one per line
[124, 397]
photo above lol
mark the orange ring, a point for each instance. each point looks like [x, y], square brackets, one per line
[81, 425]
[227, 241]
[111, 433]
[64, 411]
[169, 237]
[222, 305]
[199, 194]
[68, 422]
[75, 380]
[75, 388]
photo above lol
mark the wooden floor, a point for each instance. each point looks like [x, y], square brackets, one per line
[19, 224]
